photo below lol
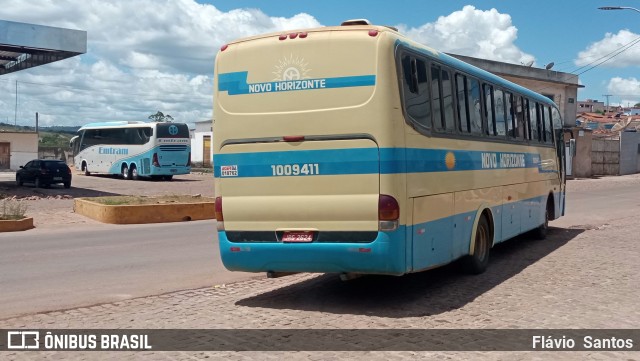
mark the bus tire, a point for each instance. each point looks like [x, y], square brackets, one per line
[477, 262]
[85, 169]
[124, 171]
[134, 172]
[542, 230]
[167, 178]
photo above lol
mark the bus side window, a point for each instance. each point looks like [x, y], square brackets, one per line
[463, 105]
[527, 120]
[510, 108]
[489, 110]
[548, 129]
[533, 117]
[475, 104]
[447, 101]
[416, 91]
[438, 120]
[501, 117]
[520, 124]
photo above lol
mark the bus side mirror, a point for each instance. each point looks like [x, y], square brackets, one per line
[572, 147]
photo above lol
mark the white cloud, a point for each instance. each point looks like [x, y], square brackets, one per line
[610, 45]
[150, 55]
[143, 56]
[472, 32]
[628, 90]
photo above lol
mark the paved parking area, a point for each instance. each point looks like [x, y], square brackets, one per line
[577, 278]
[585, 275]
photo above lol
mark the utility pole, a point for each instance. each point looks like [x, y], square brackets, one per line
[607, 95]
[15, 117]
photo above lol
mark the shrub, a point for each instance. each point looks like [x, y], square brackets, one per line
[12, 210]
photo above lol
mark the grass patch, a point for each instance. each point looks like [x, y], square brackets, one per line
[145, 200]
[12, 210]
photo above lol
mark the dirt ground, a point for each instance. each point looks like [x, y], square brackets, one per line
[53, 207]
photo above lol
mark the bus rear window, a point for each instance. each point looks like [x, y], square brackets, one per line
[172, 130]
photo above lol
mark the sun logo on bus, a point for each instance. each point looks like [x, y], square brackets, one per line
[291, 68]
[450, 160]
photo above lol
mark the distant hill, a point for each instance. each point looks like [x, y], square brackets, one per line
[54, 129]
[56, 136]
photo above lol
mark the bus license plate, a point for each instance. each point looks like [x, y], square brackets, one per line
[173, 170]
[297, 237]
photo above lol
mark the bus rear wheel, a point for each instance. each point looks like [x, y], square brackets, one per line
[477, 262]
[134, 172]
[542, 230]
[125, 172]
[85, 169]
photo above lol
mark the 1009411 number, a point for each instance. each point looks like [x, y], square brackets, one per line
[295, 169]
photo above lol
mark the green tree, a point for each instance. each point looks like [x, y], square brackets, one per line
[637, 105]
[161, 117]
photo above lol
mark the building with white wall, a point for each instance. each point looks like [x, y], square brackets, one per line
[17, 148]
[201, 151]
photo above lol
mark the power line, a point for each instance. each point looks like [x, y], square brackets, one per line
[606, 58]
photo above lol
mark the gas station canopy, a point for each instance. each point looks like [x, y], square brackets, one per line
[24, 46]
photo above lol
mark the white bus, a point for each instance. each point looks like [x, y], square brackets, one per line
[133, 149]
[354, 149]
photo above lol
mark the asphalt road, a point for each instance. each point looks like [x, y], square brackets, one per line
[44, 270]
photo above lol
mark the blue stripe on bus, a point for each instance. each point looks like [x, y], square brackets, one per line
[410, 248]
[385, 255]
[236, 83]
[366, 161]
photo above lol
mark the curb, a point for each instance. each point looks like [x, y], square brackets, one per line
[144, 213]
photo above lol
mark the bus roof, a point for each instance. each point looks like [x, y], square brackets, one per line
[116, 124]
[121, 124]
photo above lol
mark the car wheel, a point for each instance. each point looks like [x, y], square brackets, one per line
[67, 185]
[125, 172]
[19, 181]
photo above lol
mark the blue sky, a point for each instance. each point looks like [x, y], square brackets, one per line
[552, 31]
[162, 59]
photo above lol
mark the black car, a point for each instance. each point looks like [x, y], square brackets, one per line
[44, 172]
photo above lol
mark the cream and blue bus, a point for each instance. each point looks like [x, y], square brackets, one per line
[355, 150]
[133, 149]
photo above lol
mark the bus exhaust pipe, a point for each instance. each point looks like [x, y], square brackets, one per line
[271, 274]
[347, 276]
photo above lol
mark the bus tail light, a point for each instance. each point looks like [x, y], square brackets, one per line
[388, 213]
[155, 161]
[219, 216]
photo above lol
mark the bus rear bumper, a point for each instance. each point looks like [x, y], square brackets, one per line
[385, 255]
